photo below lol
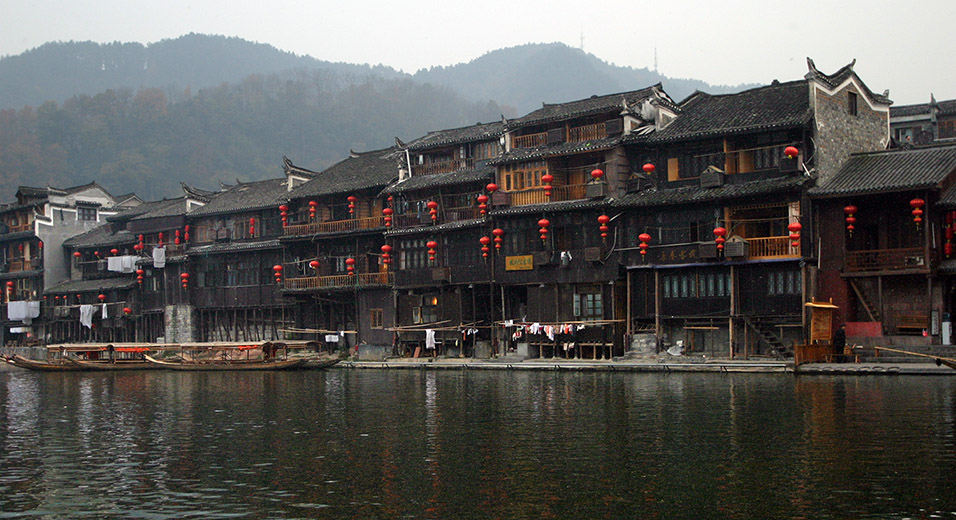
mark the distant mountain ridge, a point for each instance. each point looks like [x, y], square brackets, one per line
[522, 77]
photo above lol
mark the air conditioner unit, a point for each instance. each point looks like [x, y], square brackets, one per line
[614, 126]
[541, 258]
[736, 248]
[707, 250]
[790, 165]
[556, 136]
[223, 234]
[595, 190]
[712, 177]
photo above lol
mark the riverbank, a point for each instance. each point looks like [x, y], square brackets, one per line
[654, 365]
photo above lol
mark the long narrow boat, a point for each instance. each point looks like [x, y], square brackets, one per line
[951, 363]
[137, 364]
[288, 364]
[319, 363]
[44, 366]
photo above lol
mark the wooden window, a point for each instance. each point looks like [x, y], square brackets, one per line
[375, 318]
[851, 103]
[588, 303]
[412, 254]
[524, 176]
[673, 169]
[88, 214]
[947, 128]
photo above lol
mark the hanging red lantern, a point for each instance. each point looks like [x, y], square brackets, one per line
[645, 240]
[313, 206]
[433, 210]
[387, 254]
[603, 220]
[432, 245]
[314, 264]
[284, 213]
[352, 200]
[277, 271]
[186, 233]
[498, 233]
[547, 179]
[127, 311]
[388, 216]
[40, 244]
[794, 228]
[719, 233]
[597, 173]
[10, 284]
[77, 254]
[850, 212]
[917, 205]
[160, 240]
[252, 227]
[20, 247]
[176, 240]
[350, 266]
[491, 187]
[485, 242]
[791, 152]
[543, 225]
[649, 168]
[114, 251]
[482, 204]
[101, 297]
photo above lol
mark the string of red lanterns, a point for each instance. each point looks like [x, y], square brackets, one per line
[794, 228]
[388, 216]
[603, 220]
[352, 200]
[719, 234]
[543, 225]
[850, 211]
[645, 242]
[313, 205]
[948, 233]
[139, 276]
[284, 213]
[185, 280]
[483, 204]
[547, 179]
[432, 245]
[386, 254]
[433, 210]
[252, 227]
[485, 242]
[350, 266]
[277, 271]
[917, 205]
[498, 233]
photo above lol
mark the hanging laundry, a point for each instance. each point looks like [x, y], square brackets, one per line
[430, 339]
[86, 315]
[159, 257]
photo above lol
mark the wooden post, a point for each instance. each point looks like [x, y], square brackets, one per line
[657, 306]
[733, 306]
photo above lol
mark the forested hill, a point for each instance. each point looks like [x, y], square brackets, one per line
[203, 109]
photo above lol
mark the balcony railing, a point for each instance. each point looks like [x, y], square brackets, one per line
[336, 226]
[442, 167]
[22, 227]
[772, 247]
[885, 260]
[587, 133]
[530, 140]
[24, 264]
[340, 280]
[558, 194]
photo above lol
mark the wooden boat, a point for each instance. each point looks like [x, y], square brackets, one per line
[44, 366]
[138, 364]
[945, 361]
[319, 363]
[286, 364]
[940, 361]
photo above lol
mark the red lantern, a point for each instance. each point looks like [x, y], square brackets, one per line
[492, 187]
[160, 240]
[543, 225]
[794, 228]
[645, 240]
[485, 242]
[352, 200]
[603, 220]
[314, 264]
[850, 212]
[77, 254]
[917, 205]
[483, 204]
[20, 247]
[177, 239]
[252, 227]
[127, 311]
[10, 284]
[101, 297]
[719, 237]
[40, 244]
[546, 179]
[791, 152]
[313, 205]
[350, 266]
[284, 213]
[387, 254]
[649, 168]
[114, 251]
[139, 276]
[277, 271]
[597, 173]
[433, 210]
[498, 233]
[432, 245]
[388, 216]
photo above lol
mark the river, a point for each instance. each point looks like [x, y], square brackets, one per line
[473, 444]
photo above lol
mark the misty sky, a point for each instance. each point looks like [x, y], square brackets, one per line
[906, 47]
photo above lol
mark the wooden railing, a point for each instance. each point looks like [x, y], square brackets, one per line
[22, 227]
[530, 140]
[587, 132]
[340, 280]
[442, 167]
[537, 196]
[22, 265]
[336, 226]
[444, 215]
[885, 260]
[772, 247]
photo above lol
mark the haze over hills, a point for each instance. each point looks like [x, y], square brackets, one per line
[202, 109]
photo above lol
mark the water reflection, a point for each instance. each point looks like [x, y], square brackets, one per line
[436, 444]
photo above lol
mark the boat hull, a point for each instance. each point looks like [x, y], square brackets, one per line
[290, 364]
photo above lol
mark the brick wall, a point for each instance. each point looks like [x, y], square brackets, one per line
[839, 134]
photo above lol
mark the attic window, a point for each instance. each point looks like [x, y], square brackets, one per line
[851, 103]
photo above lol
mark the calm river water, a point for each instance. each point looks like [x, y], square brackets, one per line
[470, 444]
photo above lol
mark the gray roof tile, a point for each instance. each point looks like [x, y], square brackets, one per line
[895, 170]
[367, 170]
[696, 194]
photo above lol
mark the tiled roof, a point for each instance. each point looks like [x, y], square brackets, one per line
[568, 205]
[135, 211]
[359, 172]
[696, 194]
[466, 134]
[584, 107]
[895, 170]
[838, 77]
[19, 235]
[421, 182]
[528, 154]
[780, 105]
[947, 107]
[233, 247]
[162, 208]
[17, 275]
[100, 236]
[102, 284]
[458, 224]
[246, 196]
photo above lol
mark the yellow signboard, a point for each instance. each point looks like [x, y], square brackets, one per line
[519, 263]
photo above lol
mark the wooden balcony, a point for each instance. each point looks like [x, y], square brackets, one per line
[530, 140]
[339, 281]
[442, 167]
[24, 264]
[911, 258]
[22, 227]
[772, 247]
[444, 215]
[336, 226]
[558, 194]
[587, 133]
